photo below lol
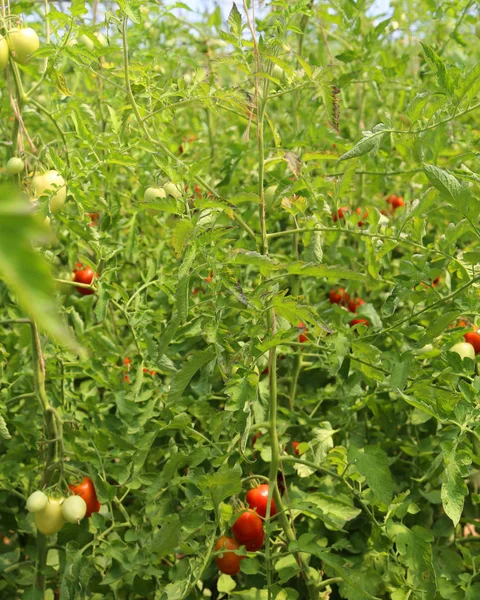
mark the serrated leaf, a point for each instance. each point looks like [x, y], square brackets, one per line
[370, 142]
[183, 377]
[372, 463]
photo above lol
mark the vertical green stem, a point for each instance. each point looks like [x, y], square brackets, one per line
[51, 433]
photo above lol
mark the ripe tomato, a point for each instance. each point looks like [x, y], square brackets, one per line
[86, 490]
[295, 447]
[36, 501]
[365, 215]
[257, 499]
[209, 278]
[255, 438]
[74, 509]
[23, 42]
[339, 297]
[395, 201]
[302, 338]
[94, 219]
[464, 350]
[354, 322]
[49, 182]
[127, 379]
[256, 544]
[127, 361]
[472, 337]
[15, 165]
[228, 562]
[85, 276]
[50, 519]
[3, 53]
[340, 213]
[248, 527]
[436, 281]
[354, 304]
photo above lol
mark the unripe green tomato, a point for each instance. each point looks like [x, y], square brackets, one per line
[173, 190]
[23, 43]
[151, 193]
[278, 72]
[464, 350]
[15, 166]
[3, 53]
[477, 29]
[50, 520]
[48, 182]
[101, 38]
[36, 501]
[87, 42]
[74, 509]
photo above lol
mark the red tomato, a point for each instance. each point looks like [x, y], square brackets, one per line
[152, 373]
[256, 544]
[145, 370]
[248, 527]
[94, 219]
[354, 322]
[472, 337]
[86, 490]
[365, 215]
[127, 379]
[339, 297]
[85, 276]
[395, 201]
[340, 213]
[127, 361]
[354, 304]
[255, 438]
[209, 278]
[257, 500]
[302, 338]
[436, 281]
[295, 448]
[228, 562]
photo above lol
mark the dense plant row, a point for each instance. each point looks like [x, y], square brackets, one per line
[239, 293]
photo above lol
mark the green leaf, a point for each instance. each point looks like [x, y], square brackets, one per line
[183, 377]
[371, 141]
[439, 68]
[222, 484]
[24, 270]
[167, 538]
[372, 463]
[454, 488]
[415, 551]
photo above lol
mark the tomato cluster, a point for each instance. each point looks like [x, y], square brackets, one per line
[340, 296]
[247, 531]
[51, 514]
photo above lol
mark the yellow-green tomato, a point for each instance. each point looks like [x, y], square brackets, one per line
[49, 182]
[464, 350]
[3, 53]
[173, 190]
[36, 501]
[152, 193]
[86, 41]
[23, 43]
[50, 520]
[15, 166]
[74, 509]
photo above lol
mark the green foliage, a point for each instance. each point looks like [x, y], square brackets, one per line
[210, 318]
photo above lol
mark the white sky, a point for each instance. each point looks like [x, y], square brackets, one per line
[380, 5]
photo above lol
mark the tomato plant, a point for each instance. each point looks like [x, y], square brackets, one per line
[282, 200]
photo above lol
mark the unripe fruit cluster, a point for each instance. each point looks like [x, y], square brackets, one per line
[51, 514]
[19, 44]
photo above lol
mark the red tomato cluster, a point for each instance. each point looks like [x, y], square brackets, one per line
[84, 275]
[303, 337]
[394, 202]
[341, 214]
[247, 531]
[86, 490]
